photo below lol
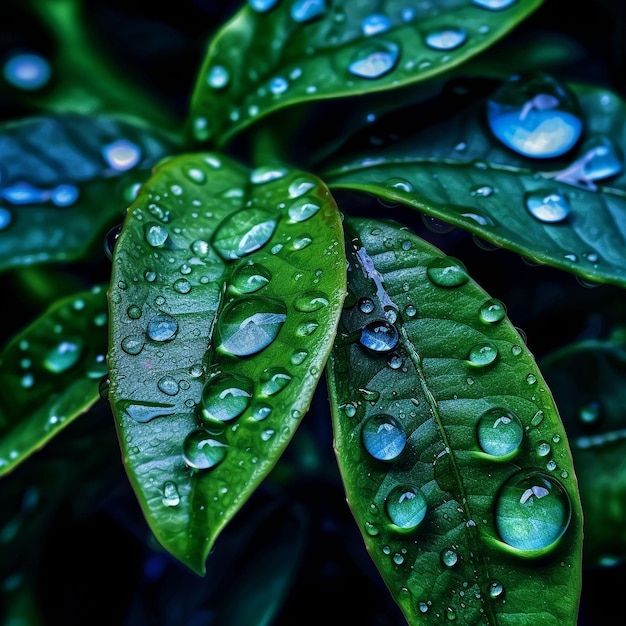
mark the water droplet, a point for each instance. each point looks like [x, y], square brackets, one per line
[278, 85]
[27, 71]
[406, 507]
[63, 356]
[492, 311]
[244, 232]
[218, 77]
[168, 385]
[194, 174]
[156, 234]
[5, 218]
[535, 116]
[482, 354]
[447, 39]
[274, 380]
[547, 206]
[495, 589]
[201, 451]
[395, 362]
[171, 496]
[307, 10]
[132, 345]
[311, 301]
[303, 208]
[447, 272]
[103, 387]
[260, 410]
[262, 5]
[21, 193]
[533, 511]
[299, 186]
[494, 5]
[437, 226]
[250, 277]
[499, 432]
[162, 327]
[249, 325]
[266, 174]
[602, 158]
[537, 418]
[379, 336]
[375, 59]
[64, 195]
[143, 412]
[225, 397]
[423, 607]
[366, 305]
[182, 285]
[375, 24]
[121, 155]
[298, 357]
[516, 350]
[481, 191]
[590, 413]
[543, 448]
[531, 379]
[450, 614]
[449, 557]
[383, 437]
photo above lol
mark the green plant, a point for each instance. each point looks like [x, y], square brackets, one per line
[295, 233]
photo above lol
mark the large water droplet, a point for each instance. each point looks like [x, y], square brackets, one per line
[249, 325]
[63, 356]
[374, 59]
[202, 451]
[244, 232]
[274, 380]
[143, 412]
[447, 272]
[492, 311]
[496, 589]
[602, 158]
[121, 155]
[162, 327]
[499, 432]
[156, 234]
[27, 71]
[303, 208]
[406, 507]
[249, 277]
[494, 5]
[547, 206]
[168, 385]
[533, 511]
[447, 39]
[535, 116]
[482, 354]
[307, 10]
[226, 397]
[383, 437]
[379, 336]
[449, 557]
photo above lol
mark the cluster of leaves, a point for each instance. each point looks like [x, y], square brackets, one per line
[279, 320]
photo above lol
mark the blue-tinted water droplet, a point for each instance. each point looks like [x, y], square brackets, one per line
[171, 496]
[447, 272]
[543, 448]
[274, 380]
[121, 155]
[278, 85]
[249, 325]
[482, 354]
[602, 158]
[375, 24]
[24, 193]
[374, 59]
[303, 208]
[496, 589]
[156, 234]
[494, 5]
[299, 186]
[383, 437]
[533, 511]
[262, 5]
[162, 327]
[27, 71]
[218, 77]
[590, 412]
[449, 557]
[546, 206]
[499, 433]
[5, 218]
[266, 174]
[447, 39]
[260, 411]
[143, 412]
[244, 232]
[366, 305]
[307, 10]
[64, 195]
[536, 116]
[202, 451]
[226, 397]
[379, 336]
[63, 356]
[132, 345]
[168, 385]
[406, 507]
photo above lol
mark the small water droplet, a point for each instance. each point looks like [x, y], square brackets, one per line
[278, 85]
[27, 71]
[406, 507]
[266, 174]
[547, 206]
[447, 272]
[132, 345]
[262, 5]
[162, 327]
[244, 232]
[543, 448]
[168, 385]
[156, 234]
[374, 59]
[423, 607]
[274, 380]
[218, 77]
[299, 186]
[447, 39]
[366, 305]
[225, 397]
[492, 311]
[143, 412]
[171, 496]
[496, 589]
[379, 336]
[494, 5]
[260, 411]
[537, 418]
[383, 437]
[482, 191]
[121, 155]
[375, 24]
[298, 357]
[590, 412]
[516, 350]
[64, 355]
[301, 242]
[311, 301]
[449, 557]
[307, 10]
[250, 277]
[303, 208]
[499, 432]
[64, 195]
[531, 379]
[482, 354]
[201, 451]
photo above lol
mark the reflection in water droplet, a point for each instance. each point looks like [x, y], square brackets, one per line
[278, 85]
[499, 432]
[266, 174]
[482, 354]
[533, 511]
[274, 380]
[366, 305]
[311, 301]
[63, 356]
[171, 496]
[423, 607]
[535, 116]
[303, 208]
[547, 206]
[132, 345]
[492, 311]
[543, 448]
[383, 437]
[156, 234]
[495, 589]
[307, 10]
[244, 232]
[201, 451]
[249, 325]
[249, 277]
[375, 24]
[64, 195]
[494, 5]
[226, 397]
[162, 327]
[375, 59]
[447, 39]
[121, 155]
[260, 410]
[299, 186]
[449, 557]
[168, 385]
[379, 336]
[406, 507]
[27, 71]
[447, 272]
[218, 77]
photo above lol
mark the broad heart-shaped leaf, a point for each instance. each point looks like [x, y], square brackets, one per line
[226, 291]
[65, 179]
[274, 54]
[50, 372]
[453, 455]
[457, 171]
[587, 379]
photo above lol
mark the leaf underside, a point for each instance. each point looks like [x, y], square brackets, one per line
[407, 416]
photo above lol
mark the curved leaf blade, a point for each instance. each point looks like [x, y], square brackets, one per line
[262, 61]
[226, 292]
[409, 417]
[52, 368]
[60, 178]
[458, 172]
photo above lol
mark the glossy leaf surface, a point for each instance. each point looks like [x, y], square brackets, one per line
[227, 288]
[452, 452]
[52, 369]
[276, 54]
[587, 379]
[566, 211]
[66, 179]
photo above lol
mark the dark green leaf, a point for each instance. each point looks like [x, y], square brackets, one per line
[588, 381]
[52, 369]
[227, 288]
[457, 171]
[65, 179]
[448, 441]
[263, 60]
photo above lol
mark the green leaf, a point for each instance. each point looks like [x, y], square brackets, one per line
[587, 379]
[457, 171]
[264, 60]
[227, 288]
[66, 179]
[448, 441]
[52, 369]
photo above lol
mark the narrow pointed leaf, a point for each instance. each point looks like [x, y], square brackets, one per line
[66, 179]
[276, 54]
[50, 374]
[453, 455]
[458, 171]
[227, 288]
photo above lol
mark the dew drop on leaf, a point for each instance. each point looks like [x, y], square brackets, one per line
[27, 71]
[406, 507]
[499, 432]
[449, 557]
[447, 39]
[375, 24]
[218, 77]
[496, 589]
[482, 354]
[492, 311]
[162, 327]
[250, 277]
[170, 494]
[244, 232]
[274, 380]
[547, 206]
[225, 397]
[383, 437]
[447, 272]
[168, 385]
[260, 411]
[63, 356]
[121, 155]
[494, 5]
[307, 10]
[374, 59]
[201, 451]
[303, 208]
[156, 235]
[299, 186]
[379, 336]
